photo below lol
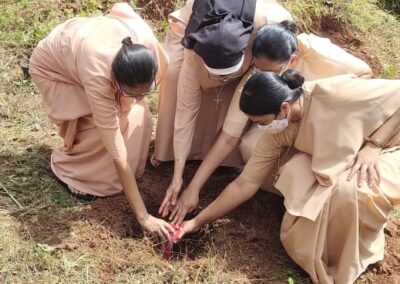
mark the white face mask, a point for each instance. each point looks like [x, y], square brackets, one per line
[275, 126]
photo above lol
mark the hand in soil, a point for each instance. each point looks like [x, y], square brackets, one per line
[187, 203]
[158, 226]
[170, 197]
[187, 227]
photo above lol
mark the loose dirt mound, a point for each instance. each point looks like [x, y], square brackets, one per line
[388, 270]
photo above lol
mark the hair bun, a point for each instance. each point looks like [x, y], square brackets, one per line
[289, 25]
[293, 79]
[127, 41]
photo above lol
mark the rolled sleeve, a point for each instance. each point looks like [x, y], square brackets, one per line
[267, 153]
[236, 121]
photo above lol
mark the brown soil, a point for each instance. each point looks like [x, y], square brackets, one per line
[388, 270]
[335, 29]
[248, 237]
[156, 10]
[106, 227]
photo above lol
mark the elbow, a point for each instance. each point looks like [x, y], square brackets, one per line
[121, 161]
[246, 187]
[366, 73]
[229, 140]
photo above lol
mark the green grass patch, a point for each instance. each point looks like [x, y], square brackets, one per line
[379, 29]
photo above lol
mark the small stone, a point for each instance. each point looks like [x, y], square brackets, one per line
[36, 127]
[33, 219]
[71, 246]
[103, 236]
[251, 234]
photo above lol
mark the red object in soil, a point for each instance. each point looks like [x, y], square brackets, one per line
[168, 246]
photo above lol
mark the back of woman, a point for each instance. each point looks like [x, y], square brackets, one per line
[72, 67]
[341, 185]
[333, 227]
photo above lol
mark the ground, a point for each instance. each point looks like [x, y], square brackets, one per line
[46, 236]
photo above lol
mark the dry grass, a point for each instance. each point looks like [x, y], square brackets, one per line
[30, 196]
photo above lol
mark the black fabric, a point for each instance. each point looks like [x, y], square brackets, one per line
[219, 30]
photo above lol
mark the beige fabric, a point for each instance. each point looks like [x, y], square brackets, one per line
[332, 228]
[72, 69]
[318, 58]
[347, 234]
[200, 112]
[168, 89]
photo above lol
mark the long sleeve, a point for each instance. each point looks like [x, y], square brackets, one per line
[187, 108]
[93, 68]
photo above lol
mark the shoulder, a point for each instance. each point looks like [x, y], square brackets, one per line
[125, 12]
[269, 12]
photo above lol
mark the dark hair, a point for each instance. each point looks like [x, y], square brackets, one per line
[134, 64]
[276, 42]
[265, 92]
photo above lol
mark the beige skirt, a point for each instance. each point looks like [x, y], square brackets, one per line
[348, 233]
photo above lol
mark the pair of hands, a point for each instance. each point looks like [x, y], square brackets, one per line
[178, 209]
[164, 230]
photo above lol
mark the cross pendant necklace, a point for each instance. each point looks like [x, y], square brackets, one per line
[218, 92]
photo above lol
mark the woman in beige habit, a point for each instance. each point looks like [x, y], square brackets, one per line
[211, 50]
[345, 178]
[276, 48]
[93, 74]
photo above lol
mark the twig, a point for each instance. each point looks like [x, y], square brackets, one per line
[12, 197]
[198, 273]
[160, 11]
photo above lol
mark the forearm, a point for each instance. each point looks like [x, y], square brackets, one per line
[184, 128]
[131, 189]
[388, 128]
[224, 145]
[183, 137]
[179, 167]
[236, 193]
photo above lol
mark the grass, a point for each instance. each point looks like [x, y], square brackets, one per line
[379, 28]
[29, 193]
[393, 6]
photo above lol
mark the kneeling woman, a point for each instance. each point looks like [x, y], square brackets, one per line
[345, 178]
[92, 84]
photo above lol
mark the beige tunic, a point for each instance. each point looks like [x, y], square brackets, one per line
[72, 70]
[332, 228]
[318, 58]
[194, 100]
